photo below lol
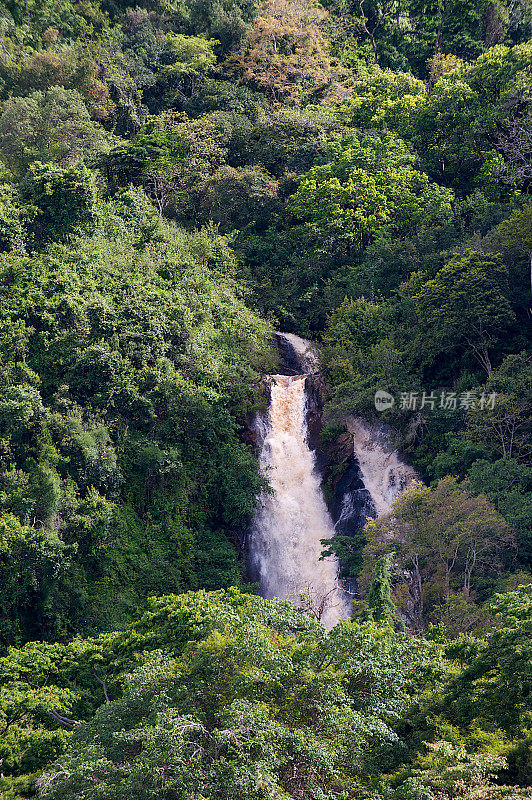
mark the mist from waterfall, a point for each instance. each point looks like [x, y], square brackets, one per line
[285, 546]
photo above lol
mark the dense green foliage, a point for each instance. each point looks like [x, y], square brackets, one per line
[177, 180]
[125, 365]
[227, 695]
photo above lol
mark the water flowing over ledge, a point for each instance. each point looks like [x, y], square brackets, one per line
[285, 542]
[383, 472]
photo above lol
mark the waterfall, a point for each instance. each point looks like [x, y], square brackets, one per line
[374, 476]
[292, 519]
[304, 350]
[384, 474]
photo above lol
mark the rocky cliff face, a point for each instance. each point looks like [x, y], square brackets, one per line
[351, 503]
[290, 361]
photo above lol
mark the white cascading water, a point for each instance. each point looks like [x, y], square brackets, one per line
[385, 475]
[292, 520]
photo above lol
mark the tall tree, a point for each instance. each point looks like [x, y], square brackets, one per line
[466, 304]
[285, 52]
[51, 126]
[379, 601]
[442, 538]
[516, 232]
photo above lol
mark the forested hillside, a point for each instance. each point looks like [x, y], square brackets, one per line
[178, 180]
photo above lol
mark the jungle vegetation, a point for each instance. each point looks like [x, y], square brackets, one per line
[177, 181]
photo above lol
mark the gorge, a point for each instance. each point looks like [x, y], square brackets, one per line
[235, 563]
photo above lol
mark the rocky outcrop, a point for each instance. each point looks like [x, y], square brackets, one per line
[289, 361]
[351, 503]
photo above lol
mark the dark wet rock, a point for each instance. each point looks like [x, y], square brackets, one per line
[289, 361]
[351, 502]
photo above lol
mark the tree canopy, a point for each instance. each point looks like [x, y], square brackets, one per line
[178, 181]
